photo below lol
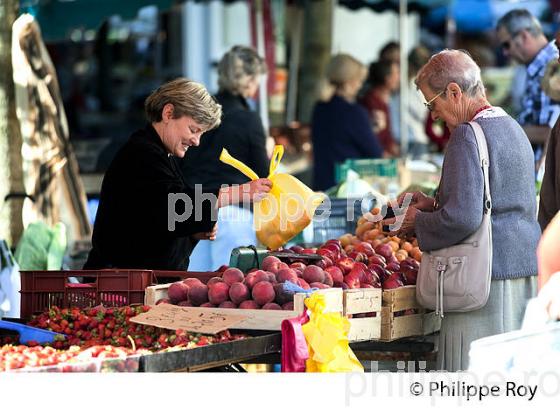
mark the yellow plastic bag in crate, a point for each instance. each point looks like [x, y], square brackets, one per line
[327, 340]
[286, 210]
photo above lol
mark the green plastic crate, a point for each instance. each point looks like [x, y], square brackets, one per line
[367, 168]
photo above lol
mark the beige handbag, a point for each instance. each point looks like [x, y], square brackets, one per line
[457, 278]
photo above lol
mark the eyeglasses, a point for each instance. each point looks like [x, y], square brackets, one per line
[430, 104]
[506, 45]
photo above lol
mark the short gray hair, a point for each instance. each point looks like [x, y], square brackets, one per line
[188, 98]
[449, 66]
[237, 67]
[520, 19]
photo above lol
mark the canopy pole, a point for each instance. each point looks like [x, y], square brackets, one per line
[403, 89]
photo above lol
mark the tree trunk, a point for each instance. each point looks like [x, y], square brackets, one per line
[11, 172]
[317, 44]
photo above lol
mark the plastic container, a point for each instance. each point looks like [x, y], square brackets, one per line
[42, 289]
[29, 333]
[367, 168]
[518, 351]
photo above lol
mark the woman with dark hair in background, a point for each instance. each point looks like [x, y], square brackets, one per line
[383, 80]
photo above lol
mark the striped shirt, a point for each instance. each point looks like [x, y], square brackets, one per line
[539, 108]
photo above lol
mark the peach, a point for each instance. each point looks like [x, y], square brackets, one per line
[328, 280]
[178, 292]
[192, 281]
[163, 300]
[213, 280]
[313, 274]
[208, 304]
[282, 296]
[303, 284]
[228, 305]
[318, 285]
[198, 294]
[284, 275]
[249, 304]
[271, 306]
[336, 274]
[263, 293]
[288, 306]
[270, 262]
[218, 293]
[233, 275]
[185, 303]
[238, 292]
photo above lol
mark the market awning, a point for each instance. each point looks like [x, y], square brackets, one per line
[57, 18]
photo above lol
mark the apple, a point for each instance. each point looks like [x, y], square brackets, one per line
[345, 264]
[297, 249]
[336, 274]
[364, 248]
[326, 252]
[393, 281]
[358, 256]
[310, 251]
[393, 267]
[352, 280]
[334, 242]
[382, 273]
[377, 260]
[384, 250]
[409, 275]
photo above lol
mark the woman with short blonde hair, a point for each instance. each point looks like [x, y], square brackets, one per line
[340, 128]
[148, 218]
[242, 133]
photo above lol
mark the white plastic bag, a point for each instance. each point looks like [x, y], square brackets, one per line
[10, 283]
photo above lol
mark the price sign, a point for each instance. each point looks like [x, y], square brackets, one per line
[200, 320]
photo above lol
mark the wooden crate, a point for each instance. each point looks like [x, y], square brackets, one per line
[259, 319]
[359, 301]
[396, 327]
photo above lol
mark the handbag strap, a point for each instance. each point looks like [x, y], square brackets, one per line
[484, 163]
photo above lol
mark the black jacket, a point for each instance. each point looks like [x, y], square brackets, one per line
[241, 133]
[131, 227]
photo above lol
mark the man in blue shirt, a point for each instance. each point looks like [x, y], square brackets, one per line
[521, 38]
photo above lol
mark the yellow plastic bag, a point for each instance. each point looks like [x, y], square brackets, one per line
[286, 210]
[327, 340]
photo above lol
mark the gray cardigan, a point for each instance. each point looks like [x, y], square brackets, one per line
[515, 231]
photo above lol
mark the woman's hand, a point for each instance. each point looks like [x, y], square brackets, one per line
[402, 225]
[252, 191]
[418, 200]
[258, 188]
[210, 236]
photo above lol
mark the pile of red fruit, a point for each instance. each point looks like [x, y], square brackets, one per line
[361, 266]
[259, 289]
[112, 326]
[74, 359]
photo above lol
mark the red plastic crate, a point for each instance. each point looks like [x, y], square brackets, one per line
[41, 290]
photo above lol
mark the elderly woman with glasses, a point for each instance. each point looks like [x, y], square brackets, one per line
[453, 89]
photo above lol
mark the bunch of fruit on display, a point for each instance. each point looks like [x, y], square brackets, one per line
[368, 259]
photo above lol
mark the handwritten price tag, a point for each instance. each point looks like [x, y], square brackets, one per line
[201, 320]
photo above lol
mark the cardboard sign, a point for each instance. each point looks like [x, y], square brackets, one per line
[201, 320]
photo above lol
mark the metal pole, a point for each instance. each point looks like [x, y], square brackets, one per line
[261, 49]
[295, 58]
[403, 115]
